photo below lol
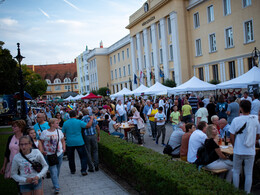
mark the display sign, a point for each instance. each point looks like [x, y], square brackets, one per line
[252, 89]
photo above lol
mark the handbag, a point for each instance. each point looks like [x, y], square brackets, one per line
[53, 158]
[35, 165]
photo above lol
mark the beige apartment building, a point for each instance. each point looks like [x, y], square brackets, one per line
[176, 39]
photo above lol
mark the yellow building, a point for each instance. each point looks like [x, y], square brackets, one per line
[176, 39]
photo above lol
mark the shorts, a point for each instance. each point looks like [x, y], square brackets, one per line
[31, 187]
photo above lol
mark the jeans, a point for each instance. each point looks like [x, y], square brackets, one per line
[82, 155]
[55, 172]
[92, 148]
[222, 164]
[160, 129]
[248, 170]
[148, 126]
[120, 119]
[121, 135]
[153, 127]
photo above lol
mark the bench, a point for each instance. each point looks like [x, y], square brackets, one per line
[215, 171]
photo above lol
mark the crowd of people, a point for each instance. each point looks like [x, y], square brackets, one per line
[58, 129]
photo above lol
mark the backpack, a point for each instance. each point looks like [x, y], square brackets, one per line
[168, 150]
[203, 157]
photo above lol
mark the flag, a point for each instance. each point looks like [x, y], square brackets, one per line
[151, 75]
[161, 73]
[141, 77]
[70, 107]
[135, 79]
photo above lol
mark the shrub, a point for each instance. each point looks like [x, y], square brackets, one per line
[154, 173]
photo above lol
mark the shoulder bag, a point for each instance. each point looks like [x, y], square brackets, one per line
[53, 158]
[35, 165]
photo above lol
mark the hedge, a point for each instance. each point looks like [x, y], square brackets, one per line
[153, 173]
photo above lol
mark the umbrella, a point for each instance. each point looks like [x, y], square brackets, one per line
[91, 96]
[27, 96]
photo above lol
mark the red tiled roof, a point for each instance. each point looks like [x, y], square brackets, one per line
[53, 71]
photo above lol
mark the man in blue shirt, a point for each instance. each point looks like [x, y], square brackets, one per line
[147, 107]
[224, 127]
[92, 136]
[74, 140]
[41, 125]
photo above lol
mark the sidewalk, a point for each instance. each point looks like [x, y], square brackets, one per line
[94, 183]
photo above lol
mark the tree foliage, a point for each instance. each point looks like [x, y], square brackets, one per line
[214, 82]
[169, 83]
[103, 91]
[94, 92]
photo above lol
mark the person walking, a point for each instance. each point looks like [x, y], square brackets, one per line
[160, 118]
[41, 125]
[147, 107]
[151, 113]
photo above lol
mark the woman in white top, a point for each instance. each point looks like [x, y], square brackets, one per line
[201, 114]
[136, 117]
[30, 181]
[50, 142]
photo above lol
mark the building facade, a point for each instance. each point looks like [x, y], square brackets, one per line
[60, 78]
[176, 39]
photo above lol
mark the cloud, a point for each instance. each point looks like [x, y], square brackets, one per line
[44, 13]
[69, 23]
[72, 5]
[8, 21]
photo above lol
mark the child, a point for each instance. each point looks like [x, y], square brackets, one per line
[175, 117]
[160, 125]
[36, 144]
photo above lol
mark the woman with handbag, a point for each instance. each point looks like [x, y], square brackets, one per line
[54, 147]
[138, 123]
[31, 166]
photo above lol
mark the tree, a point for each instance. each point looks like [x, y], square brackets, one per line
[94, 92]
[8, 72]
[169, 83]
[103, 91]
[33, 83]
[214, 82]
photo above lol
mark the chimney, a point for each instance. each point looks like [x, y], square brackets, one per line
[101, 44]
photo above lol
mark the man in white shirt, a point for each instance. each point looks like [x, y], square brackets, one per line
[246, 97]
[120, 110]
[244, 127]
[197, 138]
[255, 105]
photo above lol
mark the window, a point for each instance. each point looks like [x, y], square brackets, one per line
[196, 20]
[123, 55]
[67, 87]
[215, 72]
[112, 76]
[127, 52]
[48, 81]
[201, 74]
[210, 14]
[75, 79]
[144, 62]
[57, 88]
[198, 47]
[152, 59]
[251, 62]
[124, 74]
[226, 7]
[249, 36]
[143, 38]
[87, 77]
[119, 72]
[57, 81]
[229, 37]
[151, 40]
[118, 56]
[114, 59]
[75, 86]
[49, 88]
[173, 76]
[161, 56]
[232, 70]
[136, 43]
[171, 53]
[169, 25]
[246, 3]
[129, 69]
[110, 60]
[159, 31]
[87, 88]
[115, 74]
[212, 43]
[137, 63]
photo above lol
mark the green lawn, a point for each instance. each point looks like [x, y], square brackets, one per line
[7, 186]
[6, 129]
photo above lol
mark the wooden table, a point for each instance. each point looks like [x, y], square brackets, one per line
[127, 129]
[227, 149]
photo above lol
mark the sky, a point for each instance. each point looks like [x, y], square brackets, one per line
[57, 31]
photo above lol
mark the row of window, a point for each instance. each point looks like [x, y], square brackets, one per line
[118, 56]
[93, 78]
[58, 87]
[119, 72]
[117, 88]
[84, 89]
[84, 78]
[231, 66]
[210, 11]
[92, 64]
[58, 81]
[229, 41]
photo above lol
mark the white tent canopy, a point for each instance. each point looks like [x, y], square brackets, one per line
[137, 91]
[157, 88]
[78, 97]
[69, 98]
[194, 84]
[120, 93]
[249, 78]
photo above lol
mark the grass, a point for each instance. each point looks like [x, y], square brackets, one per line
[7, 186]
[9, 129]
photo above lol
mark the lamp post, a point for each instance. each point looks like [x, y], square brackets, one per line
[130, 83]
[19, 58]
[255, 56]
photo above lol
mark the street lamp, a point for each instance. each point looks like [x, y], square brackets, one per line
[19, 58]
[130, 83]
[255, 56]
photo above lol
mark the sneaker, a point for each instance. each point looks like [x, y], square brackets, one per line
[156, 141]
[57, 191]
[150, 135]
[163, 145]
[84, 173]
[48, 175]
[96, 168]
[153, 139]
[91, 170]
